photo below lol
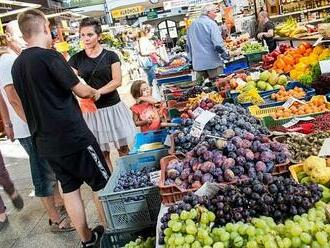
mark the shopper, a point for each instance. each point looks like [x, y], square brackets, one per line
[145, 113]
[44, 83]
[43, 177]
[147, 53]
[5, 180]
[112, 123]
[205, 46]
[267, 30]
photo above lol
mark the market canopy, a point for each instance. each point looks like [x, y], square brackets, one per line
[8, 8]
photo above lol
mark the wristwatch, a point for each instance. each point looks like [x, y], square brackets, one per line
[8, 124]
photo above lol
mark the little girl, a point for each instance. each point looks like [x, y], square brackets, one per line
[145, 114]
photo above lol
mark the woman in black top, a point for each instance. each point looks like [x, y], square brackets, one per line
[112, 123]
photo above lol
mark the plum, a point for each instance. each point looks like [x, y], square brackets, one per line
[228, 134]
[228, 163]
[280, 158]
[179, 167]
[220, 144]
[252, 173]
[241, 152]
[178, 181]
[201, 150]
[236, 141]
[193, 161]
[172, 164]
[190, 178]
[246, 144]
[249, 155]
[249, 136]
[207, 155]
[257, 155]
[185, 174]
[240, 160]
[173, 174]
[232, 155]
[207, 178]
[230, 147]
[197, 167]
[207, 167]
[229, 175]
[260, 166]
[267, 156]
[198, 175]
[255, 145]
[270, 166]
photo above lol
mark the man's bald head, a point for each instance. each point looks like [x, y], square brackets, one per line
[31, 23]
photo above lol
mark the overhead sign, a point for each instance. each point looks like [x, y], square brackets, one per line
[184, 3]
[152, 15]
[81, 3]
[127, 11]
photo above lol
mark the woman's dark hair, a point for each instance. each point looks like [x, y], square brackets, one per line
[89, 21]
[135, 88]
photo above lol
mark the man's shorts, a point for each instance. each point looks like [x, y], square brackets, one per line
[212, 73]
[87, 165]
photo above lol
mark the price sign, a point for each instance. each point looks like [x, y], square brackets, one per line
[290, 101]
[325, 66]
[200, 123]
[294, 121]
[325, 149]
[155, 177]
[197, 111]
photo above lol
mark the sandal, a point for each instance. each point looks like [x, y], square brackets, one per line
[55, 227]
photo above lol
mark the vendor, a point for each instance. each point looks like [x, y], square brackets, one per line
[267, 30]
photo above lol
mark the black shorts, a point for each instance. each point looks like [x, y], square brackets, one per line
[87, 165]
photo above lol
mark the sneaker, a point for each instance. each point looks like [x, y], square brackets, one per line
[97, 233]
[4, 223]
[18, 202]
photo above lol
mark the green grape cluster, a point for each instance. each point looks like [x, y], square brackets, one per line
[195, 229]
[190, 229]
[140, 243]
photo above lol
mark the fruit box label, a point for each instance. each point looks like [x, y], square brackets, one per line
[325, 149]
[294, 121]
[325, 66]
[200, 122]
[154, 177]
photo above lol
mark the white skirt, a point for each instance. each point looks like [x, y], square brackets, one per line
[112, 126]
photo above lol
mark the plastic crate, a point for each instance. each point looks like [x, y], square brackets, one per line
[281, 169]
[310, 92]
[148, 138]
[174, 79]
[294, 170]
[236, 65]
[122, 214]
[170, 194]
[258, 112]
[113, 239]
[255, 57]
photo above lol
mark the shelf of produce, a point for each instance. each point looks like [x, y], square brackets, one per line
[299, 12]
[312, 21]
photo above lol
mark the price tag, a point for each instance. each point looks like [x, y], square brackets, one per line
[325, 149]
[155, 177]
[325, 66]
[318, 41]
[167, 141]
[197, 111]
[200, 123]
[290, 101]
[294, 121]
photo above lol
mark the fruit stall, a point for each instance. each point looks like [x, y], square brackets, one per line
[245, 165]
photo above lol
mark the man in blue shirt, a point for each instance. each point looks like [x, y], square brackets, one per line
[205, 46]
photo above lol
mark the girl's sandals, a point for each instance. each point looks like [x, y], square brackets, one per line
[63, 226]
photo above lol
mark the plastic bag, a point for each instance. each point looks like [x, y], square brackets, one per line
[87, 105]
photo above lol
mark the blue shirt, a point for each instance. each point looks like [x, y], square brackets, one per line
[202, 39]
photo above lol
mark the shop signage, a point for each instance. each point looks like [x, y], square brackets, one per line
[81, 3]
[127, 11]
[152, 15]
[183, 3]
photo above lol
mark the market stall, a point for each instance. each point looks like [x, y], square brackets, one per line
[245, 164]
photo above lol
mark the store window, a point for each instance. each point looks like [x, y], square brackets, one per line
[167, 27]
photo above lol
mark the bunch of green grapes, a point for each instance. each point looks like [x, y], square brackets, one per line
[140, 243]
[307, 230]
[190, 229]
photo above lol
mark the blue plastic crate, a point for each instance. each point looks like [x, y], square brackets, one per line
[147, 138]
[236, 65]
[120, 211]
[310, 92]
[176, 79]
